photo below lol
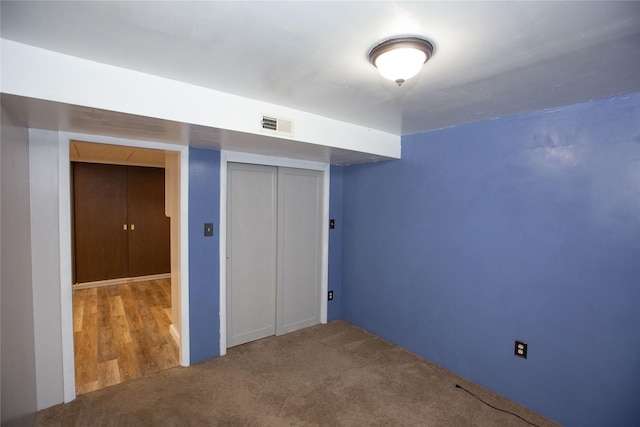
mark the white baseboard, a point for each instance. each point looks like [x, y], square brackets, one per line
[175, 334]
[121, 281]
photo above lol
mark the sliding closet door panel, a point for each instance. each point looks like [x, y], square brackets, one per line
[149, 228]
[100, 214]
[299, 248]
[251, 252]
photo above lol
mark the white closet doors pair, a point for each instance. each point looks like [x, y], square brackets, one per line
[274, 217]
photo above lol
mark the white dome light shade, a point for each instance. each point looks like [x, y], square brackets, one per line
[400, 64]
[401, 58]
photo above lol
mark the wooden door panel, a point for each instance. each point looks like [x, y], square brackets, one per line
[149, 235]
[100, 211]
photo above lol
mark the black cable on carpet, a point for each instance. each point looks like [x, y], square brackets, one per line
[498, 409]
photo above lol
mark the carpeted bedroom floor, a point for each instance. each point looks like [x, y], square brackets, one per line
[327, 375]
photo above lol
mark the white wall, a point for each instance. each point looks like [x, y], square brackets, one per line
[18, 365]
[45, 259]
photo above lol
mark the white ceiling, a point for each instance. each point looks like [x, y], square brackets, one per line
[491, 59]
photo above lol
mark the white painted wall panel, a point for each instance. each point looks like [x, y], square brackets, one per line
[45, 255]
[18, 365]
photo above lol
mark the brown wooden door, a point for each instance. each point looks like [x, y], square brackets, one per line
[120, 229]
[149, 239]
[100, 212]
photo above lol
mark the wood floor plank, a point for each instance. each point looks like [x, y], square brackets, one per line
[120, 328]
[160, 316]
[167, 355]
[106, 343]
[117, 308]
[87, 387]
[151, 332]
[92, 299]
[143, 351]
[121, 333]
[127, 362]
[86, 354]
[130, 302]
[82, 365]
[108, 373]
[78, 310]
[163, 293]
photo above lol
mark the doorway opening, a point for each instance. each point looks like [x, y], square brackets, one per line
[128, 325]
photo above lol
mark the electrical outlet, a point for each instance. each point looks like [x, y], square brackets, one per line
[521, 349]
[330, 296]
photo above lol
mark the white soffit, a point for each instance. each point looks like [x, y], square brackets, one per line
[85, 88]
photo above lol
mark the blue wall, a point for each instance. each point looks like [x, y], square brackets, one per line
[526, 227]
[204, 254]
[334, 308]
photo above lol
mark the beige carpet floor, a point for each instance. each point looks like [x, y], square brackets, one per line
[327, 375]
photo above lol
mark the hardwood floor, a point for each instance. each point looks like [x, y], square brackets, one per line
[121, 333]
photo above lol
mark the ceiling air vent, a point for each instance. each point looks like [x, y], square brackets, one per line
[279, 125]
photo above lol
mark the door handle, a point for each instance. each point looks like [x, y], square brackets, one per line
[133, 227]
[124, 227]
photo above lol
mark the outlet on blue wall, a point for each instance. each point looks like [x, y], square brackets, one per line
[526, 227]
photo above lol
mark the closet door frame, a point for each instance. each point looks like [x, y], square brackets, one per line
[239, 157]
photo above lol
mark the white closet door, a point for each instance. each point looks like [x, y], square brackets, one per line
[299, 249]
[251, 252]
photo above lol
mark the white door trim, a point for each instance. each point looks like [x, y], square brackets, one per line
[65, 246]
[238, 157]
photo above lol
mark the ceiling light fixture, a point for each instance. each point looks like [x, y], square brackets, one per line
[400, 58]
